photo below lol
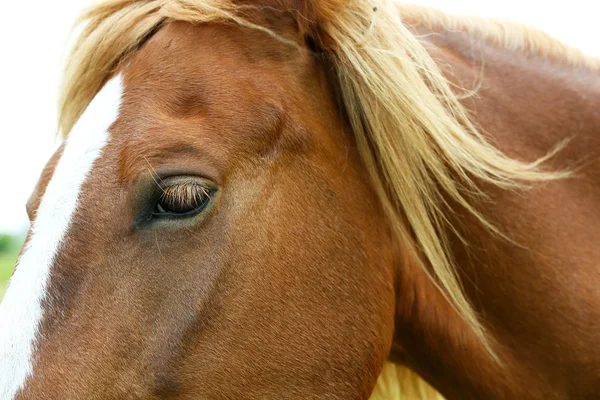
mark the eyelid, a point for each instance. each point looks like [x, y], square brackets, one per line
[185, 214]
[165, 182]
[183, 191]
[184, 197]
[149, 192]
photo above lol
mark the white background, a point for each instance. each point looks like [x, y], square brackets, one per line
[34, 40]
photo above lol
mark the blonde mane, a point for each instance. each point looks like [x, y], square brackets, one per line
[505, 34]
[415, 137]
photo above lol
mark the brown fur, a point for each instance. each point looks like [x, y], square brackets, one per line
[227, 296]
[292, 285]
[536, 295]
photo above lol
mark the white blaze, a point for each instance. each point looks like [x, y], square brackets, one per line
[21, 310]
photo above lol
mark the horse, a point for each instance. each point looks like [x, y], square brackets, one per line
[312, 199]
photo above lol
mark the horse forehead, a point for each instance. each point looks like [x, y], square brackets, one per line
[212, 63]
[186, 70]
[185, 56]
[224, 89]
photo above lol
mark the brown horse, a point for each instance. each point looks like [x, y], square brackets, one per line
[271, 198]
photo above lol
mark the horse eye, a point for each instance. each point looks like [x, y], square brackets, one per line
[182, 199]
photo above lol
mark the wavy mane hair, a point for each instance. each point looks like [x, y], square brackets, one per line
[416, 139]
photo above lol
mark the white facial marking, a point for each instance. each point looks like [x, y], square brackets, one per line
[21, 309]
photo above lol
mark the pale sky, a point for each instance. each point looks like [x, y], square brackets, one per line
[34, 47]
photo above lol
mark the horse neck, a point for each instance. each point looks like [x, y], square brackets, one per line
[527, 105]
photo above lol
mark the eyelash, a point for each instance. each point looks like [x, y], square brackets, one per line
[182, 200]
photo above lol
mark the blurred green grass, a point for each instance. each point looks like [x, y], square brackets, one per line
[7, 263]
